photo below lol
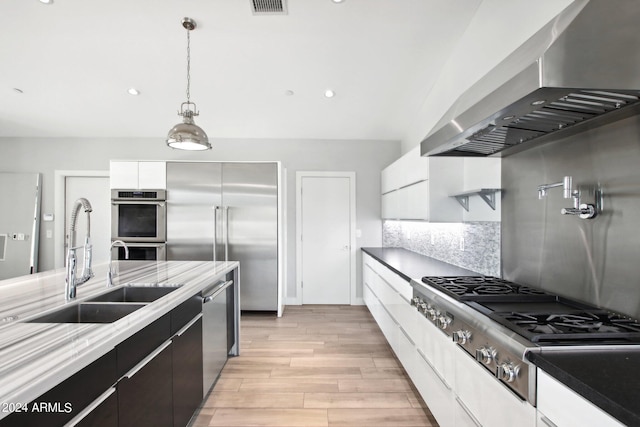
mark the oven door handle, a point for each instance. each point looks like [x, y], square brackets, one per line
[140, 202]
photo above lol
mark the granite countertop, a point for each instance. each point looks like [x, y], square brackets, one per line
[411, 265]
[35, 357]
[610, 379]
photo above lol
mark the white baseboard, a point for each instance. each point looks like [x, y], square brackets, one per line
[358, 301]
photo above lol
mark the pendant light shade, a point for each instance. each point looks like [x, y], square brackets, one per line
[187, 135]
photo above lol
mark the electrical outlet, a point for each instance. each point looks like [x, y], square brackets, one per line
[462, 243]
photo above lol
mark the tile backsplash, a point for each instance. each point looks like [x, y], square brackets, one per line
[471, 245]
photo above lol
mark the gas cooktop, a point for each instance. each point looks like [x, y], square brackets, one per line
[483, 288]
[540, 317]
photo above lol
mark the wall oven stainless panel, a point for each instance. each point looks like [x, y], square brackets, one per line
[138, 215]
[594, 260]
[141, 252]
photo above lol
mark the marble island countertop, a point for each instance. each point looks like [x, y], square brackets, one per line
[34, 357]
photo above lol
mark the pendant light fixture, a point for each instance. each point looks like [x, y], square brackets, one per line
[187, 135]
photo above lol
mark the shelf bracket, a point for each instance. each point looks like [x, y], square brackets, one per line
[487, 194]
[489, 198]
[464, 202]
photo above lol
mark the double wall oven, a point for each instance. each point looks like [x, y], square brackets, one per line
[139, 218]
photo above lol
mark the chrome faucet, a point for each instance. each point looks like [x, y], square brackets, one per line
[566, 184]
[126, 256]
[72, 281]
[583, 210]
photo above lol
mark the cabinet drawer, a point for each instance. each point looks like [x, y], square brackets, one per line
[470, 377]
[138, 346]
[565, 408]
[434, 391]
[182, 314]
[71, 396]
[145, 396]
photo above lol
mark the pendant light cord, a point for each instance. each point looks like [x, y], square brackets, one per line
[188, 67]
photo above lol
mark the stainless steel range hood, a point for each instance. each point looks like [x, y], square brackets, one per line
[581, 70]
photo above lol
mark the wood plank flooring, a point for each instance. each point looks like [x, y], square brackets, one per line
[317, 365]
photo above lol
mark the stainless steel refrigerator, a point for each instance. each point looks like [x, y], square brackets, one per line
[228, 211]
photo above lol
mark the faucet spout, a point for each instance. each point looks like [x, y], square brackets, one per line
[110, 273]
[72, 281]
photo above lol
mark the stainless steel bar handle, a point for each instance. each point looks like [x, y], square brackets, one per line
[226, 233]
[224, 285]
[215, 233]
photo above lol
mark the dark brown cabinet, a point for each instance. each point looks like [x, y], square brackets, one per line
[69, 398]
[145, 394]
[187, 372]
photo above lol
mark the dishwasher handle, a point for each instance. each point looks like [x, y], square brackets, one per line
[219, 288]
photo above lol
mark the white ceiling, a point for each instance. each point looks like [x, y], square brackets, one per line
[75, 59]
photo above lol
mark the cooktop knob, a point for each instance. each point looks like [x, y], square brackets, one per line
[432, 313]
[461, 337]
[507, 371]
[486, 355]
[416, 300]
[442, 321]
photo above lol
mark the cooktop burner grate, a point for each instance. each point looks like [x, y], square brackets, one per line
[483, 288]
[593, 325]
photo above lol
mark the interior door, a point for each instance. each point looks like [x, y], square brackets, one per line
[96, 190]
[19, 223]
[326, 212]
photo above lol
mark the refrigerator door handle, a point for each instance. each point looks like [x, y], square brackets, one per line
[218, 223]
[226, 233]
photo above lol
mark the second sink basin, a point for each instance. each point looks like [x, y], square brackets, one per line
[134, 294]
[88, 313]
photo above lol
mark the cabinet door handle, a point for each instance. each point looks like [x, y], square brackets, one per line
[147, 359]
[93, 405]
[188, 325]
[547, 421]
[407, 335]
[435, 371]
[468, 412]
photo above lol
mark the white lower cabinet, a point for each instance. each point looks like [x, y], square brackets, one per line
[559, 406]
[457, 390]
[487, 400]
[434, 390]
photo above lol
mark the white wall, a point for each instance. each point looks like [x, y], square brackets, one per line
[366, 158]
[496, 30]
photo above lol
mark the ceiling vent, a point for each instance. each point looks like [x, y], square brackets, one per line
[269, 7]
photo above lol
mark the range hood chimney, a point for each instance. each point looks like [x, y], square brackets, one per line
[581, 70]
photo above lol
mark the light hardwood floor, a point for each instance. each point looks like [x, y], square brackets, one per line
[317, 365]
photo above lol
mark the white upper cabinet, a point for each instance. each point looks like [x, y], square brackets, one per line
[441, 189]
[415, 187]
[138, 175]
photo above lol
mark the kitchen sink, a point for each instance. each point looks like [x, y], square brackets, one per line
[134, 294]
[88, 313]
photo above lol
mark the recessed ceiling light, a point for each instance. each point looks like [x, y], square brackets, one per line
[15, 89]
[133, 91]
[329, 93]
[46, 1]
[289, 92]
[337, 1]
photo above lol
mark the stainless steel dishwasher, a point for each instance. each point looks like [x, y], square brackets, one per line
[214, 332]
